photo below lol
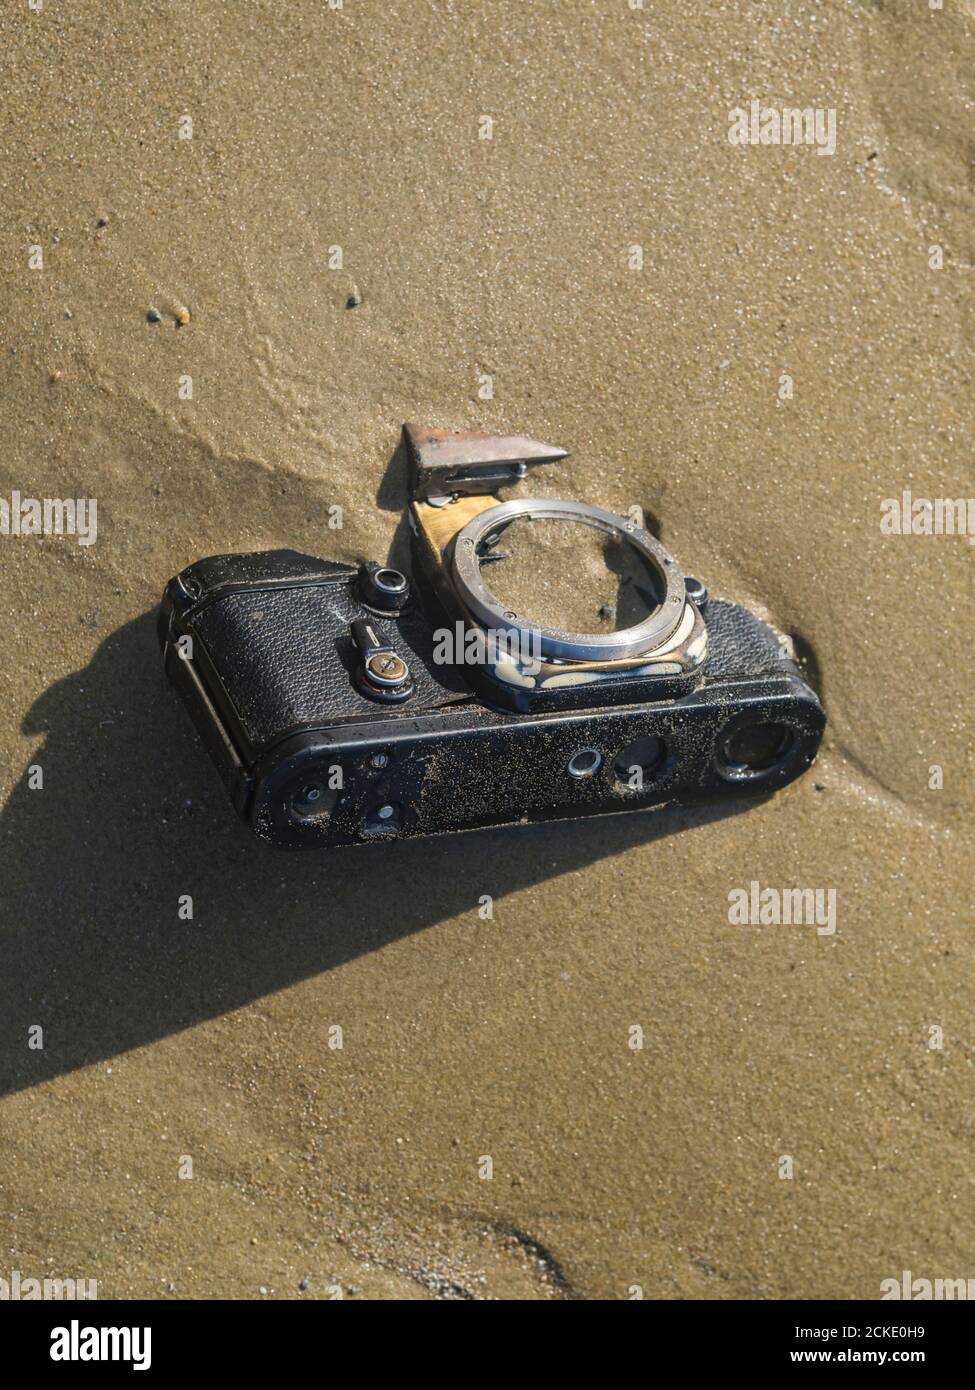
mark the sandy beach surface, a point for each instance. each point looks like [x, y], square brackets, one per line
[607, 271]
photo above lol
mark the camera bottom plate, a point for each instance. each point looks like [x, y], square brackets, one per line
[451, 771]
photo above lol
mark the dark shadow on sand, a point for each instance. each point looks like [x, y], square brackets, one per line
[132, 815]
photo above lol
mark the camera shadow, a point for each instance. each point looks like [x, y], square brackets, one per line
[132, 816]
[393, 495]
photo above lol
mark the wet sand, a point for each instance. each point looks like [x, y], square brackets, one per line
[317, 1168]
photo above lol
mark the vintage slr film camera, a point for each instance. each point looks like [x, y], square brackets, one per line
[344, 704]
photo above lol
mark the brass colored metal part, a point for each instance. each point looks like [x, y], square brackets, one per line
[439, 525]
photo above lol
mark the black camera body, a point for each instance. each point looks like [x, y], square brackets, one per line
[321, 691]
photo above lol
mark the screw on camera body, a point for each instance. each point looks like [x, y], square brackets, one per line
[383, 675]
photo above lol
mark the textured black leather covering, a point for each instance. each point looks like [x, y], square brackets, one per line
[740, 644]
[282, 656]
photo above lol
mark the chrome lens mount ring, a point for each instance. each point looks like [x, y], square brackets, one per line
[481, 603]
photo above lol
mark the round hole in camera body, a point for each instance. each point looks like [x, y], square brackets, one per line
[312, 799]
[390, 581]
[640, 762]
[755, 748]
